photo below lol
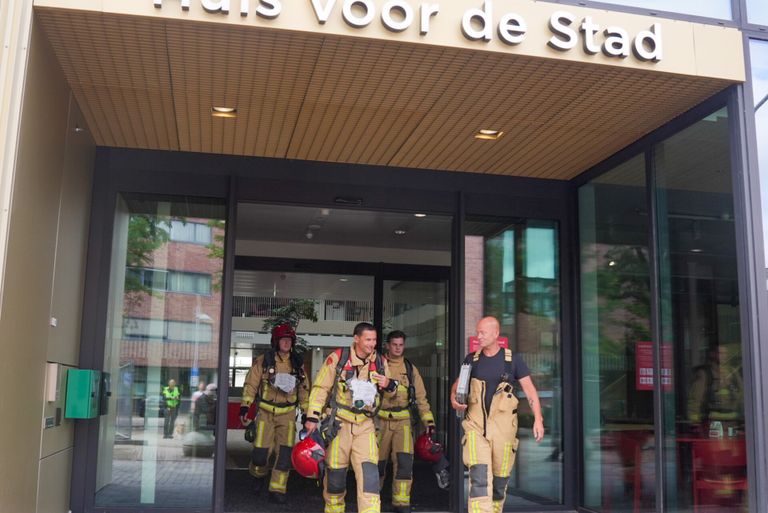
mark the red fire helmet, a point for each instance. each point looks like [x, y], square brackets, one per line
[307, 457]
[280, 331]
[427, 449]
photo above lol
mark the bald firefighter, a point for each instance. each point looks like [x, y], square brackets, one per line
[490, 417]
[351, 382]
[396, 418]
[278, 385]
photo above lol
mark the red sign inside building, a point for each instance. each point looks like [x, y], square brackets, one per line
[644, 366]
[474, 343]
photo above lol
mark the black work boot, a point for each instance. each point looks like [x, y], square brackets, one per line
[277, 498]
[402, 509]
[258, 484]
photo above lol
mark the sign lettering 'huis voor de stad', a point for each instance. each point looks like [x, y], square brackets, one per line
[477, 24]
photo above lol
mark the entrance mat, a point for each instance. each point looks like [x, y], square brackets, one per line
[305, 496]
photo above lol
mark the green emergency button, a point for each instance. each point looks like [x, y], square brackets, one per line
[82, 394]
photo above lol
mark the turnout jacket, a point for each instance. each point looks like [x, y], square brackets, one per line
[258, 384]
[397, 406]
[355, 367]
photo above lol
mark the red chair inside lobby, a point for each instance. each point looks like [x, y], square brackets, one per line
[719, 472]
[627, 446]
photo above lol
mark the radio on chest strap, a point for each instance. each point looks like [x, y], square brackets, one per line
[508, 376]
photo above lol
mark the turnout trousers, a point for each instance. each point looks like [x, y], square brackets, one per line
[396, 444]
[490, 464]
[355, 444]
[275, 434]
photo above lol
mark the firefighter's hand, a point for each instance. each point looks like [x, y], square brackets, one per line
[381, 380]
[310, 426]
[538, 430]
[244, 416]
[457, 405]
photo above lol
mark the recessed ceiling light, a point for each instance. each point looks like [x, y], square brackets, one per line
[611, 263]
[485, 134]
[224, 112]
[399, 232]
[419, 215]
[696, 250]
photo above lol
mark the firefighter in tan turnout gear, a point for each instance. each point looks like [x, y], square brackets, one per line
[490, 417]
[351, 382]
[278, 385]
[396, 418]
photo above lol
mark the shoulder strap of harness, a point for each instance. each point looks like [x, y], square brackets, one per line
[297, 365]
[269, 361]
[411, 388]
[509, 372]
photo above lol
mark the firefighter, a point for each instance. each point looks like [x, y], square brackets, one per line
[489, 444]
[399, 413]
[278, 385]
[351, 381]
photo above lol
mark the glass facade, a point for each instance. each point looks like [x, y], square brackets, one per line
[719, 9]
[759, 56]
[512, 273]
[703, 395]
[616, 338]
[162, 352]
[757, 12]
[696, 350]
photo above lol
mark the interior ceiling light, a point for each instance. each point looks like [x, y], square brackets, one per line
[485, 134]
[344, 279]
[696, 250]
[419, 215]
[223, 112]
[399, 232]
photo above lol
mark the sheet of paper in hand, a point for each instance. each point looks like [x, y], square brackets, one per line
[285, 382]
[364, 391]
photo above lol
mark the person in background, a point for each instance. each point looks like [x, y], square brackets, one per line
[171, 397]
[396, 421]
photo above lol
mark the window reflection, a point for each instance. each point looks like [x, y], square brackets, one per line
[162, 345]
[512, 273]
[617, 363]
[699, 299]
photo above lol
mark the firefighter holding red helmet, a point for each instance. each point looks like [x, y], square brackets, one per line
[278, 384]
[399, 414]
[350, 382]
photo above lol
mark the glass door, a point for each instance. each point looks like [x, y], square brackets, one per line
[155, 443]
[511, 271]
[420, 310]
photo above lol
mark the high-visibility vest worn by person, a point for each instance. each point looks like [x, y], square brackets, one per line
[489, 444]
[276, 420]
[355, 440]
[396, 418]
[172, 397]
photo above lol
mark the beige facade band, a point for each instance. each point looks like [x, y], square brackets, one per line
[527, 28]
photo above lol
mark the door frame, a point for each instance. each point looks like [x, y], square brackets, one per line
[254, 179]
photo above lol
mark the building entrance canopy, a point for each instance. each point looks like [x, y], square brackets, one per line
[397, 83]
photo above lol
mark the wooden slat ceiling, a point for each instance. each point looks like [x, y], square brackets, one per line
[150, 83]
